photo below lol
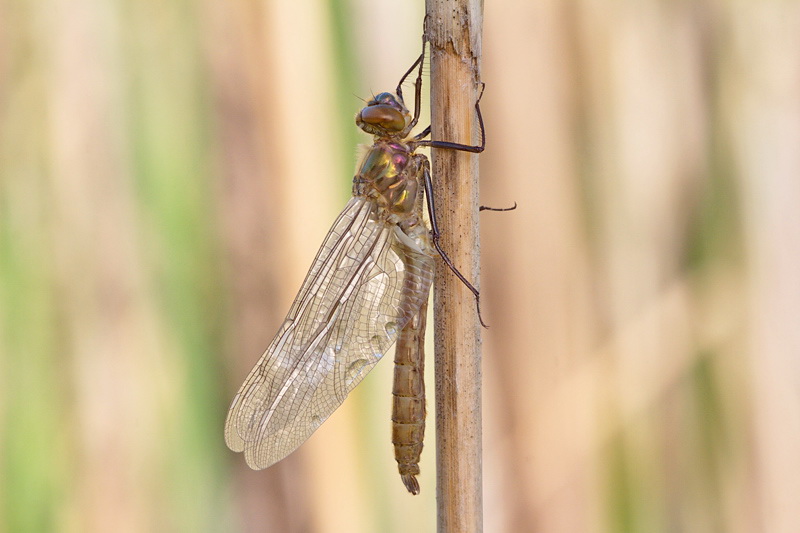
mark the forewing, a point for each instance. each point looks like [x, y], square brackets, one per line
[355, 299]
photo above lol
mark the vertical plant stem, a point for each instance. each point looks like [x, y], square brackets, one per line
[453, 29]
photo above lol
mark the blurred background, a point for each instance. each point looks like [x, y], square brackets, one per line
[168, 170]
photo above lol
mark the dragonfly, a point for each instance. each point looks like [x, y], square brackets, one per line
[367, 288]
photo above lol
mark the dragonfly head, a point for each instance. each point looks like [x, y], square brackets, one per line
[384, 115]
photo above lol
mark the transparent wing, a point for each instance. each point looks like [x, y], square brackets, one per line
[363, 286]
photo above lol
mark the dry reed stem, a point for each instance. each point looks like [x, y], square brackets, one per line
[453, 30]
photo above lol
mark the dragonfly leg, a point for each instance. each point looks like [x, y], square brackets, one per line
[418, 62]
[424, 133]
[417, 89]
[487, 208]
[458, 146]
[426, 172]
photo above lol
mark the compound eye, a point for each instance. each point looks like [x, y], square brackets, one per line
[383, 116]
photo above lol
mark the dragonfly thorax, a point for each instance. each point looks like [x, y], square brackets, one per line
[389, 172]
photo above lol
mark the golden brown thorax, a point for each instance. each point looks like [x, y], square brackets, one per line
[390, 171]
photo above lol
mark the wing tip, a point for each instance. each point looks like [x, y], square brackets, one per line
[233, 440]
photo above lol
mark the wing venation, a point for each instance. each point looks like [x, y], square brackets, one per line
[359, 293]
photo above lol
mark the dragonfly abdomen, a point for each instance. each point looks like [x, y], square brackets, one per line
[408, 407]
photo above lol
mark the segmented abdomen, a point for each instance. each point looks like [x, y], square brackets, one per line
[408, 409]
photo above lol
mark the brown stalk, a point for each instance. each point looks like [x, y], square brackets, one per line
[453, 30]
